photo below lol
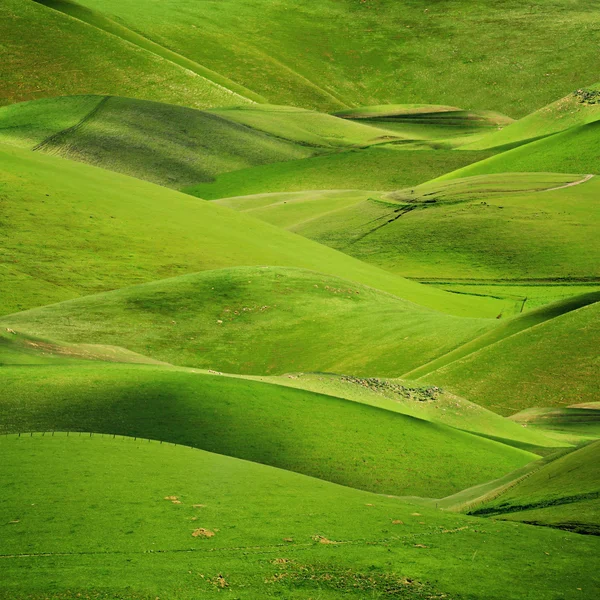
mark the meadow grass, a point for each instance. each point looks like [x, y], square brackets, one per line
[166, 144]
[52, 54]
[550, 364]
[116, 518]
[259, 320]
[350, 443]
[375, 168]
[109, 231]
[333, 54]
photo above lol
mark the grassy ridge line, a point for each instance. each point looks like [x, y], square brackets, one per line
[365, 447]
[83, 493]
[505, 330]
[95, 19]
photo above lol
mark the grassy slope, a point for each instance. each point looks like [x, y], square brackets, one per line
[50, 54]
[106, 229]
[550, 364]
[441, 126]
[351, 444]
[334, 53]
[558, 487]
[166, 144]
[385, 169]
[575, 150]
[488, 227]
[306, 127]
[561, 115]
[57, 483]
[259, 320]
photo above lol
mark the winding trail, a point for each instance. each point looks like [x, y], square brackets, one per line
[566, 185]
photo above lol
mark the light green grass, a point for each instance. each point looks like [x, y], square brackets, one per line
[551, 364]
[378, 168]
[575, 150]
[352, 444]
[566, 113]
[440, 126]
[339, 54]
[259, 320]
[46, 53]
[577, 422]
[166, 144]
[306, 127]
[96, 507]
[71, 229]
[556, 487]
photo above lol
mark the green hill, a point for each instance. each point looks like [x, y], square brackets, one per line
[564, 493]
[259, 320]
[440, 126]
[550, 364]
[47, 53]
[493, 227]
[166, 144]
[168, 521]
[376, 168]
[575, 150]
[108, 231]
[336, 54]
[573, 110]
[307, 127]
[352, 444]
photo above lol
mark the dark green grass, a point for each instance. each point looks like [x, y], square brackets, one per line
[350, 443]
[575, 150]
[335, 54]
[557, 486]
[566, 113]
[551, 364]
[166, 144]
[71, 229]
[384, 169]
[96, 507]
[259, 320]
[46, 54]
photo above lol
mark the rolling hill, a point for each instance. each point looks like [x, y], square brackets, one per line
[162, 143]
[110, 231]
[169, 521]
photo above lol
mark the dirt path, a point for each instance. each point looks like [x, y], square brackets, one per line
[560, 187]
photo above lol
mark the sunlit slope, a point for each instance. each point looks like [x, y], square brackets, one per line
[564, 493]
[497, 227]
[47, 53]
[163, 143]
[438, 126]
[375, 168]
[352, 444]
[74, 497]
[110, 230]
[551, 364]
[575, 109]
[259, 320]
[339, 54]
[307, 127]
[575, 150]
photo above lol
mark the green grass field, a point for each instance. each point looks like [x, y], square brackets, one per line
[292, 536]
[166, 144]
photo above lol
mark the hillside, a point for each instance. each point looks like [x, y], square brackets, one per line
[366, 447]
[575, 150]
[564, 493]
[258, 320]
[110, 231]
[550, 364]
[53, 54]
[166, 144]
[379, 51]
[189, 533]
